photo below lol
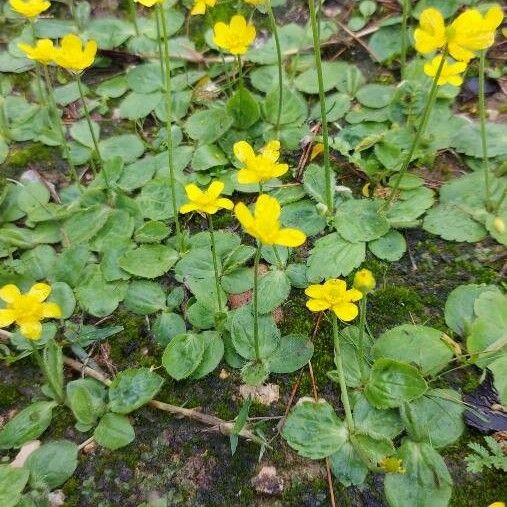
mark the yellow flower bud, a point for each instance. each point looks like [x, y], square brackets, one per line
[499, 225]
[392, 465]
[364, 281]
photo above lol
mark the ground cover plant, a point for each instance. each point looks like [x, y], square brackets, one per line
[253, 253]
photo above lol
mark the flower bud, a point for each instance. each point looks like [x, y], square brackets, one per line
[364, 281]
[499, 225]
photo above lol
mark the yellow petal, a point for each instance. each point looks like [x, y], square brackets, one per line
[290, 237]
[198, 8]
[40, 291]
[346, 311]
[247, 177]
[267, 208]
[238, 23]
[51, 311]
[31, 329]
[215, 189]
[194, 193]
[9, 293]
[460, 53]
[315, 291]
[7, 317]
[225, 203]
[243, 151]
[272, 150]
[188, 208]
[353, 295]
[317, 305]
[494, 17]
[280, 170]
[454, 80]
[243, 215]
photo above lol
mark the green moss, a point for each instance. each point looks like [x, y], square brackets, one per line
[8, 395]
[20, 156]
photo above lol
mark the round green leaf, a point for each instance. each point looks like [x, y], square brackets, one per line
[390, 247]
[114, 431]
[375, 95]
[213, 353]
[293, 352]
[144, 297]
[166, 326]
[12, 483]
[62, 295]
[274, 288]
[209, 125]
[183, 355]
[149, 261]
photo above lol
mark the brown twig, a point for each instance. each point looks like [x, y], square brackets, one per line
[358, 40]
[220, 425]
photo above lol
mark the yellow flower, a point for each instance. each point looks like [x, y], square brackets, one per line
[149, 3]
[234, 37]
[43, 51]
[73, 55]
[333, 294]
[259, 168]
[431, 32]
[391, 465]
[29, 8]
[27, 310]
[364, 281]
[255, 3]
[200, 6]
[451, 72]
[497, 504]
[207, 201]
[471, 32]
[264, 224]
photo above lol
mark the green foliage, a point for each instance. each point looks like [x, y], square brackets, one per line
[491, 456]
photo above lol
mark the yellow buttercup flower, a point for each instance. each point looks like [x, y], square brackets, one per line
[364, 281]
[333, 295]
[27, 310]
[207, 201]
[234, 37]
[43, 51]
[200, 6]
[149, 3]
[451, 72]
[497, 504]
[391, 465]
[431, 32]
[73, 55]
[471, 32]
[264, 224]
[259, 168]
[29, 8]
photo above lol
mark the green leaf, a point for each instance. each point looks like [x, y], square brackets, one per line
[166, 326]
[307, 81]
[332, 256]
[392, 383]
[132, 388]
[128, 147]
[274, 288]
[117, 229]
[27, 425]
[459, 307]
[38, 262]
[86, 399]
[421, 345]
[446, 7]
[112, 88]
[213, 353]
[243, 108]
[293, 352]
[294, 107]
[62, 295]
[145, 78]
[70, 265]
[350, 79]
[389, 247]
[453, 224]
[369, 419]
[52, 464]
[375, 95]
[152, 231]
[371, 446]
[155, 198]
[207, 156]
[385, 42]
[467, 139]
[209, 125]
[144, 297]
[498, 368]
[314, 430]
[52, 358]
[149, 261]
[426, 483]
[114, 431]
[254, 373]
[436, 418]
[139, 105]
[12, 483]
[347, 465]
[241, 327]
[360, 220]
[84, 224]
[183, 355]
[337, 105]
[80, 131]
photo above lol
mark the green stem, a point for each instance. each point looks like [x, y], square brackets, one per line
[215, 261]
[360, 345]
[59, 123]
[133, 16]
[341, 374]
[404, 35]
[90, 125]
[420, 131]
[482, 113]
[169, 142]
[241, 85]
[255, 301]
[38, 72]
[322, 99]
[274, 29]
[160, 50]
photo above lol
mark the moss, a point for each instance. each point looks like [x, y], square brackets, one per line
[8, 395]
[21, 155]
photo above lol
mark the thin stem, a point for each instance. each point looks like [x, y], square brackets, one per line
[403, 56]
[59, 124]
[341, 374]
[215, 261]
[482, 112]
[90, 125]
[255, 301]
[420, 131]
[160, 50]
[133, 16]
[241, 84]
[360, 345]
[38, 72]
[169, 141]
[322, 100]
[274, 29]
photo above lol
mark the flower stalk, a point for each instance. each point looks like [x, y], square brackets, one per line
[420, 131]
[341, 375]
[482, 114]
[215, 260]
[404, 36]
[256, 301]
[169, 139]
[322, 100]
[360, 344]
